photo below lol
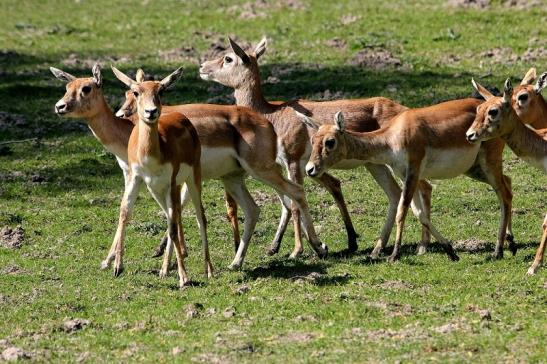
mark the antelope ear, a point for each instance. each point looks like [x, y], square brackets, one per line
[238, 51]
[339, 121]
[97, 75]
[61, 75]
[542, 82]
[507, 91]
[140, 75]
[261, 47]
[481, 90]
[529, 77]
[171, 79]
[123, 77]
[307, 120]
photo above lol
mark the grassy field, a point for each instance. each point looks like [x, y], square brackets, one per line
[63, 189]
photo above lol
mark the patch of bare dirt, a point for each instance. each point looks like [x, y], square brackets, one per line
[241, 290]
[187, 54]
[14, 353]
[12, 238]
[409, 332]
[329, 95]
[395, 285]
[523, 4]
[13, 270]
[9, 121]
[229, 312]
[507, 56]
[193, 310]
[349, 18]
[74, 60]
[471, 245]
[337, 43]
[294, 336]
[261, 8]
[451, 327]
[466, 4]
[75, 324]
[209, 358]
[375, 58]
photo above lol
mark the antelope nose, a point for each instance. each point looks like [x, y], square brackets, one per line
[151, 112]
[310, 169]
[471, 136]
[60, 107]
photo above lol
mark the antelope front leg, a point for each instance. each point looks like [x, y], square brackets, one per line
[282, 227]
[175, 229]
[295, 173]
[129, 197]
[538, 260]
[425, 190]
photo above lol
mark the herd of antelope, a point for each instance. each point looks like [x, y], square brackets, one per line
[172, 149]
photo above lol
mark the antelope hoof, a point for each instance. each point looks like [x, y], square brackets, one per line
[163, 273]
[393, 258]
[322, 251]
[273, 250]
[512, 245]
[295, 254]
[498, 254]
[422, 249]
[158, 252]
[235, 265]
[532, 270]
[375, 254]
[118, 271]
[105, 264]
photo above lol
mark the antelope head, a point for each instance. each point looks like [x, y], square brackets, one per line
[83, 97]
[493, 116]
[328, 144]
[236, 68]
[147, 93]
[526, 96]
[129, 106]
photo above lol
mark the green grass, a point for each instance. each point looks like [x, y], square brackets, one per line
[420, 309]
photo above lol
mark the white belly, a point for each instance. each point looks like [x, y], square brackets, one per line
[448, 163]
[217, 162]
[538, 163]
[348, 164]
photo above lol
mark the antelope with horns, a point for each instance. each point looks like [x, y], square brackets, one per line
[239, 70]
[221, 140]
[163, 152]
[418, 144]
[528, 102]
[497, 118]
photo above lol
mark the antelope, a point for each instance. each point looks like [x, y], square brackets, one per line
[528, 102]
[163, 152]
[497, 118]
[418, 143]
[249, 139]
[239, 70]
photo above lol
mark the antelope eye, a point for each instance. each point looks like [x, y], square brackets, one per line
[86, 89]
[228, 59]
[329, 143]
[523, 97]
[493, 112]
[135, 93]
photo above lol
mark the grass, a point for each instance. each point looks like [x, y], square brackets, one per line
[342, 309]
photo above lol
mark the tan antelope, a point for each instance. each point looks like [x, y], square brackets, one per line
[163, 152]
[418, 144]
[249, 139]
[528, 102]
[496, 118]
[239, 70]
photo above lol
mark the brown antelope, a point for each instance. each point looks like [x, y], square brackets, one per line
[163, 152]
[496, 118]
[239, 70]
[418, 144]
[249, 139]
[528, 102]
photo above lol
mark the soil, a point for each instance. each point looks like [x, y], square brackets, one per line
[375, 58]
[12, 238]
[466, 4]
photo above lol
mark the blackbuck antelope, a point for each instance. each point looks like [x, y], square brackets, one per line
[235, 142]
[239, 70]
[418, 144]
[528, 102]
[497, 118]
[163, 152]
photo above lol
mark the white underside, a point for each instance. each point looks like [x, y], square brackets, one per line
[217, 162]
[439, 163]
[538, 163]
